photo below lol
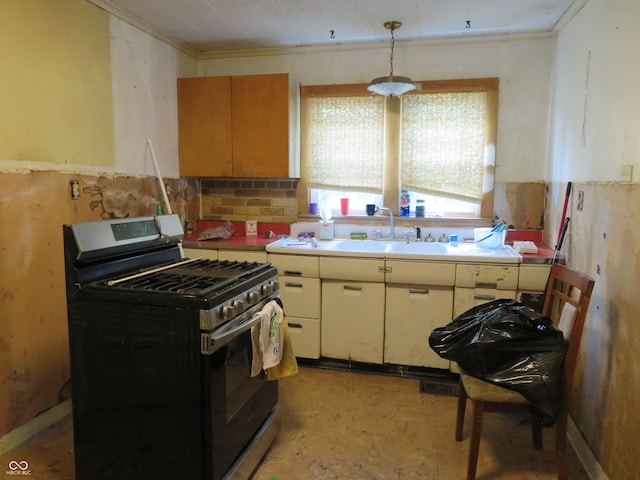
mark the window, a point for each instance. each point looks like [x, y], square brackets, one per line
[437, 143]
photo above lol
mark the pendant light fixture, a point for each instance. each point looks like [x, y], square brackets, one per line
[391, 85]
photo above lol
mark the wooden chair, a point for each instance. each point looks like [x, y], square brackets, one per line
[566, 302]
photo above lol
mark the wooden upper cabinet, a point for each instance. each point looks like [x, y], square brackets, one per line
[234, 126]
[204, 126]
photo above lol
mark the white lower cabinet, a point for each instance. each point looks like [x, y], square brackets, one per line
[377, 310]
[353, 320]
[301, 300]
[305, 336]
[300, 294]
[411, 314]
[531, 285]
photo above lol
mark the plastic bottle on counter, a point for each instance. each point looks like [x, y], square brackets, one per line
[420, 208]
[405, 203]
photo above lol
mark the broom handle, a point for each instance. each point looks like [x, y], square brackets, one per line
[564, 210]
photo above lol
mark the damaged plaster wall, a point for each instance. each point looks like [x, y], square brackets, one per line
[34, 356]
[594, 131]
[35, 198]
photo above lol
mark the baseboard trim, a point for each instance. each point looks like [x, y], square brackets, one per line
[37, 424]
[584, 453]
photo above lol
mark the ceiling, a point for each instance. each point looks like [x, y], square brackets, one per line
[223, 25]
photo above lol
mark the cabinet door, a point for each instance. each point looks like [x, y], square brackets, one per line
[533, 277]
[204, 126]
[260, 125]
[412, 312]
[353, 321]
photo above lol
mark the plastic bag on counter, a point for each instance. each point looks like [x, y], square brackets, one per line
[510, 345]
[222, 232]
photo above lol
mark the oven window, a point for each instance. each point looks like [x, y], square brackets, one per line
[240, 386]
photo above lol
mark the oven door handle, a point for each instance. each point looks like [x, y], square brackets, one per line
[210, 342]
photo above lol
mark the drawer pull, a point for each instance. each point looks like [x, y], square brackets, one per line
[486, 285]
[421, 291]
[354, 288]
[484, 297]
[293, 284]
[294, 325]
[293, 273]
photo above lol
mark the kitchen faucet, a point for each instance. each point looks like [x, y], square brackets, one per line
[391, 224]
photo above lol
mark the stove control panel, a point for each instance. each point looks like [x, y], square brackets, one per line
[231, 308]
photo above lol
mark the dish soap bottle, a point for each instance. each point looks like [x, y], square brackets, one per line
[404, 203]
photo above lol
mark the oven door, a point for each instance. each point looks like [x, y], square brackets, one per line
[240, 405]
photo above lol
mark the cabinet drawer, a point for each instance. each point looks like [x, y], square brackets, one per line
[305, 336]
[295, 265]
[466, 298]
[420, 273]
[201, 252]
[300, 296]
[337, 268]
[242, 255]
[533, 277]
[487, 276]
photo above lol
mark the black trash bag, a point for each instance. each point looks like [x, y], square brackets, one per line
[510, 345]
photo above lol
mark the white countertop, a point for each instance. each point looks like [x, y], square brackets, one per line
[396, 249]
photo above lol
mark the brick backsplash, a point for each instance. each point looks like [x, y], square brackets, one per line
[265, 200]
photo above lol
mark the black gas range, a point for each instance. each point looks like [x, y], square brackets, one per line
[161, 354]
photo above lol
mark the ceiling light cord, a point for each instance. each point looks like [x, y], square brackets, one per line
[393, 44]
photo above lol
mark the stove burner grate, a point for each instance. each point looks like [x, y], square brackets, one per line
[199, 277]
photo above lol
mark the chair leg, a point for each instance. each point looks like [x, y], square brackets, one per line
[536, 431]
[462, 403]
[474, 444]
[561, 444]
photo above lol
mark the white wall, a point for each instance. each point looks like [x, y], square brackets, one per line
[523, 66]
[595, 126]
[144, 72]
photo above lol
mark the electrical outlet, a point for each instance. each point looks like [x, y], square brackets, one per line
[580, 205]
[627, 173]
[75, 189]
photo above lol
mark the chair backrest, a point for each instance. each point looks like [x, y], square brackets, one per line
[568, 290]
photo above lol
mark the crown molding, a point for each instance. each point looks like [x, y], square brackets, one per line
[430, 42]
[145, 27]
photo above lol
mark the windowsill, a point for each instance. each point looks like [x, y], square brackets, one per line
[403, 221]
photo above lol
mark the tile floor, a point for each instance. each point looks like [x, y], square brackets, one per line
[352, 426]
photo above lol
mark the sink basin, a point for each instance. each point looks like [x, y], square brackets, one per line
[417, 248]
[471, 249]
[373, 246]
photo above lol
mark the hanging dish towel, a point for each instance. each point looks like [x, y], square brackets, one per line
[267, 338]
[288, 365]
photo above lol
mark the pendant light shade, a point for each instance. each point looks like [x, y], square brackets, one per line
[391, 85]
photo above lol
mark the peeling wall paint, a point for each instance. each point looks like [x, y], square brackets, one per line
[34, 365]
[602, 240]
